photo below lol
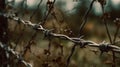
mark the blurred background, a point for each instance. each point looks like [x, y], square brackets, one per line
[65, 19]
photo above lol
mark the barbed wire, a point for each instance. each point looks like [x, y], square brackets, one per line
[103, 47]
[79, 41]
[16, 54]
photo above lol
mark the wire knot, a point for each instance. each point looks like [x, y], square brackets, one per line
[47, 33]
[19, 58]
[36, 26]
[84, 43]
[104, 47]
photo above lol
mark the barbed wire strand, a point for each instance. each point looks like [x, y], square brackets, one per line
[16, 54]
[103, 47]
[62, 36]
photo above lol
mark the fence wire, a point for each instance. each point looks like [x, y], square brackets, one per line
[104, 47]
[16, 54]
[78, 41]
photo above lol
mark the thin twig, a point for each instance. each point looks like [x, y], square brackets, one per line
[48, 12]
[24, 4]
[108, 33]
[115, 36]
[36, 9]
[116, 33]
[69, 57]
[34, 35]
[84, 19]
[29, 44]
[19, 38]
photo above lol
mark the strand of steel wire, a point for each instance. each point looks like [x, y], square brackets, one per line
[104, 47]
[16, 54]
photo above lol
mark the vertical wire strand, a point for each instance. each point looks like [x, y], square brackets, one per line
[69, 57]
[84, 19]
